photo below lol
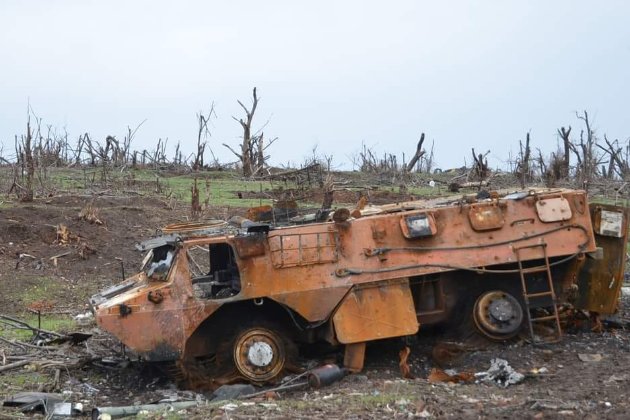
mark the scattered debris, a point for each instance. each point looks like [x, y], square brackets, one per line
[90, 214]
[54, 258]
[40, 306]
[64, 236]
[85, 318]
[85, 250]
[22, 256]
[450, 376]
[325, 375]
[405, 370]
[117, 412]
[34, 401]
[590, 357]
[500, 373]
[14, 365]
[66, 409]
[616, 378]
[446, 352]
[231, 392]
[539, 371]
[553, 405]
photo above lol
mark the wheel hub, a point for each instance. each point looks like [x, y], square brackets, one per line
[259, 354]
[501, 310]
[498, 315]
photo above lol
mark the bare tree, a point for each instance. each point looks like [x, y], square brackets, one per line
[480, 170]
[195, 207]
[427, 161]
[126, 152]
[252, 154]
[585, 153]
[202, 137]
[617, 164]
[566, 143]
[26, 193]
[523, 172]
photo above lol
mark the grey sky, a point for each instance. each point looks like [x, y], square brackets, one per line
[329, 73]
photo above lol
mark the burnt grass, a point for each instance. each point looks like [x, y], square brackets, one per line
[568, 386]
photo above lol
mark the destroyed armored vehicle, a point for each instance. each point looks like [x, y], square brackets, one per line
[239, 302]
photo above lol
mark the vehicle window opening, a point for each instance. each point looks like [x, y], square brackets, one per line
[214, 272]
[158, 262]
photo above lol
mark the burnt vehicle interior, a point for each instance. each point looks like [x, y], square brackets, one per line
[213, 271]
[158, 262]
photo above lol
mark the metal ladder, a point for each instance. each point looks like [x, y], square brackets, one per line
[525, 273]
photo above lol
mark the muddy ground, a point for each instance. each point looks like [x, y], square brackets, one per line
[30, 281]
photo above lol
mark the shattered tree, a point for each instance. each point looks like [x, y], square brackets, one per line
[202, 138]
[416, 157]
[252, 152]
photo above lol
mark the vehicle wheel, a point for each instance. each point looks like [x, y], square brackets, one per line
[260, 354]
[498, 315]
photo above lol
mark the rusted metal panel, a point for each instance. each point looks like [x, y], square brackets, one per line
[486, 216]
[553, 209]
[601, 277]
[314, 305]
[354, 356]
[458, 245]
[250, 246]
[297, 249]
[376, 311]
[157, 329]
[260, 213]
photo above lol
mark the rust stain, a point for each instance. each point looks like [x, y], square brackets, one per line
[601, 277]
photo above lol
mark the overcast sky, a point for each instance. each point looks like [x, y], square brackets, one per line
[330, 74]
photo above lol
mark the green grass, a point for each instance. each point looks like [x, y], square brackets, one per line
[49, 322]
[220, 187]
[220, 191]
[35, 290]
[43, 289]
[217, 188]
[22, 381]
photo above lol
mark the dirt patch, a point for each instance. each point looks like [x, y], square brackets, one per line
[29, 242]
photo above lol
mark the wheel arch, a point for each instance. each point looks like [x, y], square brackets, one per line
[222, 324]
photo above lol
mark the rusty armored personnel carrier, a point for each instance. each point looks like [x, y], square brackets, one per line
[240, 302]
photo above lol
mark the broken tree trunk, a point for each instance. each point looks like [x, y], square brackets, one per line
[566, 142]
[416, 157]
[247, 155]
[14, 365]
[480, 168]
[195, 207]
[524, 164]
[26, 194]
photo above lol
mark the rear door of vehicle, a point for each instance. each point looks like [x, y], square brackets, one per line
[602, 275]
